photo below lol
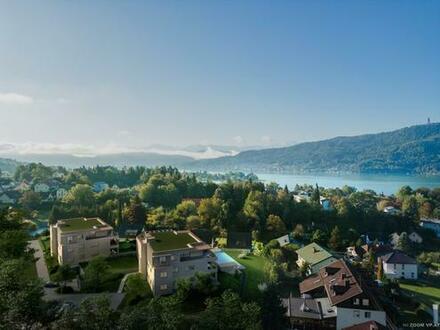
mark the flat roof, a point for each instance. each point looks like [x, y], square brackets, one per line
[171, 240]
[79, 224]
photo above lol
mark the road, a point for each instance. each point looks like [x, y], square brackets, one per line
[41, 262]
[50, 294]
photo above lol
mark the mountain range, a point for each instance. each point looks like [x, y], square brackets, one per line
[412, 150]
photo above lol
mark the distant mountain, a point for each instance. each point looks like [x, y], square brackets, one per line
[411, 150]
[121, 159]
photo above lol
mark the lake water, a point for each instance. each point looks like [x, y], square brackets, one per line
[387, 184]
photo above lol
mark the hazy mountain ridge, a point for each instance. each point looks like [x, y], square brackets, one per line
[410, 150]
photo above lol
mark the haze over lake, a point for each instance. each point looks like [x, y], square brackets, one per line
[387, 184]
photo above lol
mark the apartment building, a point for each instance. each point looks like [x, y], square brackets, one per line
[80, 239]
[167, 256]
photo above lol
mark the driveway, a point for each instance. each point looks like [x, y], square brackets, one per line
[42, 272]
[50, 294]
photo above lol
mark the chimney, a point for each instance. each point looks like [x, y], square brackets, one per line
[347, 283]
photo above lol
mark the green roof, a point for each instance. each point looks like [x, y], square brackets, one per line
[78, 224]
[169, 240]
[313, 253]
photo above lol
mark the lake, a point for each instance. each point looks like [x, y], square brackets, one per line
[387, 184]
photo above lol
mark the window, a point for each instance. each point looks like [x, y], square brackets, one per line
[395, 266]
[190, 267]
[412, 275]
[163, 286]
[367, 315]
[403, 274]
[356, 314]
[176, 269]
[163, 274]
[173, 258]
[162, 260]
[365, 302]
[356, 301]
[403, 266]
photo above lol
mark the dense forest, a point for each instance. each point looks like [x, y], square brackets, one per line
[411, 150]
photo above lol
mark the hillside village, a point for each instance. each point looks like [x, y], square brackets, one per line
[163, 241]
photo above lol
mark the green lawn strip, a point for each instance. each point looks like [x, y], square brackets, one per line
[254, 271]
[422, 292]
[123, 264]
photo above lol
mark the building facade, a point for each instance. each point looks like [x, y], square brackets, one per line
[398, 265]
[166, 256]
[81, 239]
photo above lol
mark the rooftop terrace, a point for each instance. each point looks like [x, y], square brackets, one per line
[80, 224]
[170, 240]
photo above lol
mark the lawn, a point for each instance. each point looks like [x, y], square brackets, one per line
[123, 264]
[423, 292]
[254, 271]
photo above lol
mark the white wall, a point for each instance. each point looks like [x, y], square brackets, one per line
[398, 271]
[350, 316]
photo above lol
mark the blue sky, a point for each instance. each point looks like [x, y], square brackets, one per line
[128, 74]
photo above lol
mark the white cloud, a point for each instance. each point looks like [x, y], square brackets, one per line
[85, 150]
[239, 140]
[15, 98]
[266, 140]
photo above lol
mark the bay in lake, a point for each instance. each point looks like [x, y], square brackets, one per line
[387, 184]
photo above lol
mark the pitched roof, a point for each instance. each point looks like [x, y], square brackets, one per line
[338, 281]
[398, 257]
[313, 253]
[369, 325]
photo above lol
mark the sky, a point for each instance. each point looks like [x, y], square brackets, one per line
[123, 75]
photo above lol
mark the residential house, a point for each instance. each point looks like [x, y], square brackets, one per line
[433, 224]
[391, 210]
[399, 265]
[41, 188]
[166, 256]
[5, 198]
[413, 238]
[23, 186]
[100, 186]
[315, 257]
[352, 303]
[325, 203]
[355, 252]
[61, 192]
[81, 239]
[369, 325]
[283, 240]
[306, 312]
[301, 197]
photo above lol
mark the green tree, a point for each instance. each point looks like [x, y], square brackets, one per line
[274, 313]
[30, 200]
[319, 236]
[157, 314]
[229, 312]
[403, 243]
[63, 274]
[21, 304]
[275, 226]
[95, 274]
[80, 196]
[316, 195]
[335, 241]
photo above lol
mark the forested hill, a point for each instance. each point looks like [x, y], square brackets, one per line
[411, 150]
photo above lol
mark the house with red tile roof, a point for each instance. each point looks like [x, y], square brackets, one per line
[339, 286]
